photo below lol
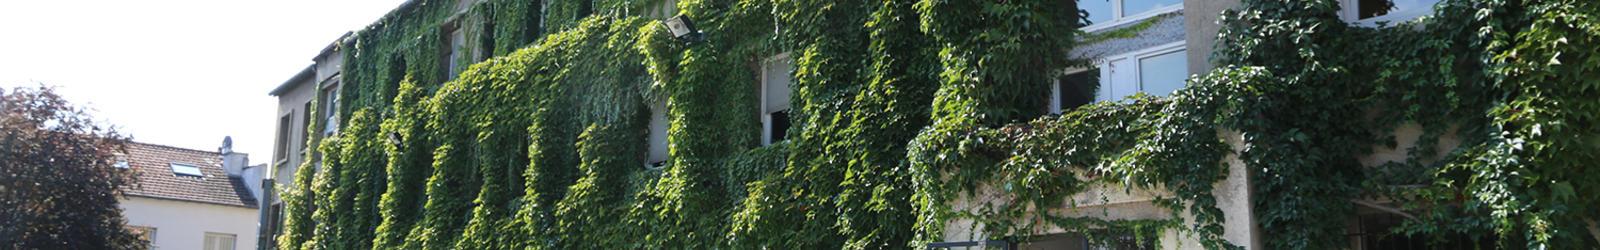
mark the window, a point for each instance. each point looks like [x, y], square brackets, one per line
[776, 75]
[180, 169]
[330, 107]
[1159, 70]
[663, 9]
[1374, 11]
[1107, 13]
[1076, 241]
[656, 157]
[283, 138]
[219, 241]
[1076, 88]
[453, 41]
[1156, 73]
[305, 127]
[146, 234]
[1374, 229]
[122, 161]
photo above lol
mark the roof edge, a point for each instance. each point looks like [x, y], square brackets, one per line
[126, 195]
[294, 81]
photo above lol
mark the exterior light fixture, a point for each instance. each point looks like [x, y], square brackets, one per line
[683, 28]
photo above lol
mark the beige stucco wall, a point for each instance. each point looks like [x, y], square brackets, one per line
[182, 225]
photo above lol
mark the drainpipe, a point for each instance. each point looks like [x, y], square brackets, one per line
[266, 226]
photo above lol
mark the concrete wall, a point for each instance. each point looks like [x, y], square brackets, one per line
[292, 103]
[182, 225]
[1202, 30]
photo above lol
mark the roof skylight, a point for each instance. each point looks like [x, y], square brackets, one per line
[180, 169]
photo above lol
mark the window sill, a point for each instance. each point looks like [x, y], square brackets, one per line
[1131, 19]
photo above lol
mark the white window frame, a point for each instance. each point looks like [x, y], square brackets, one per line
[1118, 19]
[1350, 11]
[232, 238]
[330, 120]
[1056, 91]
[1109, 73]
[766, 115]
[1138, 76]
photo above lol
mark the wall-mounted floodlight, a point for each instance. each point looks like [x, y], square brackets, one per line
[683, 28]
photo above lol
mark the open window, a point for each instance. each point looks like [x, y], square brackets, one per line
[1108, 13]
[1073, 89]
[776, 75]
[1370, 12]
[1160, 70]
[656, 157]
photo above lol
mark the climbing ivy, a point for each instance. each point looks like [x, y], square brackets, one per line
[907, 113]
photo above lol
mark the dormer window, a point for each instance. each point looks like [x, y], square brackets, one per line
[180, 169]
[656, 157]
[122, 161]
[1107, 13]
[1370, 12]
[776, 75]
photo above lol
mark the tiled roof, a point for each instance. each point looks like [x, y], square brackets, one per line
[157, 180]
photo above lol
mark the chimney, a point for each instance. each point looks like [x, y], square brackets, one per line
[232, 162]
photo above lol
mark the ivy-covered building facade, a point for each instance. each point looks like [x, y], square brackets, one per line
[945, 124]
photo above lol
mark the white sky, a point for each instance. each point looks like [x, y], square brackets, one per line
[174, 72]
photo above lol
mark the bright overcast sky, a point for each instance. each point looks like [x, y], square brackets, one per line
[174, 72]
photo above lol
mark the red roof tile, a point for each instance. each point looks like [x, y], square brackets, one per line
[156, 179]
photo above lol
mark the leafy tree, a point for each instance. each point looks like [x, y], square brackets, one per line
[57, 187]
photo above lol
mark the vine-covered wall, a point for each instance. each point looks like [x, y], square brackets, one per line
[902, 108]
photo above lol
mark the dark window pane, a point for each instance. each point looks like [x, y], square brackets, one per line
[1374, 8]
[1078, 89]
[780, 126]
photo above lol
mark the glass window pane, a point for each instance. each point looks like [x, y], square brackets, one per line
[1099, 10]
[1394, 10]
[778, 76]
[1135, 7]
[185, 170]
[1163, 74]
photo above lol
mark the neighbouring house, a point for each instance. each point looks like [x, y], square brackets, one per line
[191, 199]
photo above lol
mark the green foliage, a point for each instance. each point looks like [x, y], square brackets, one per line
[1485, 69]
[898, 122]
[58, 189]
[409, 165]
